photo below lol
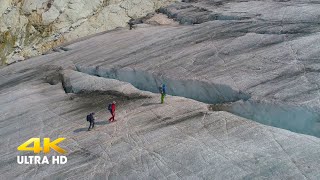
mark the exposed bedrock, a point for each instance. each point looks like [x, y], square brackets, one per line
[32, 27]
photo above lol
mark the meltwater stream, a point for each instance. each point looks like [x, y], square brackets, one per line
[294, 118]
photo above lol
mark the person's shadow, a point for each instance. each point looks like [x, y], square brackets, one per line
[80, 130]
[149, 104]
[103, 122]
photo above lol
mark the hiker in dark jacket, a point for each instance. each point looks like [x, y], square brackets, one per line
[91, 119]
[112, 109]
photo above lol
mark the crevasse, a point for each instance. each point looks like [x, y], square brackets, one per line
[294, 118]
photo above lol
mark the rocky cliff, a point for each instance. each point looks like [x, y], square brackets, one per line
[32, 27]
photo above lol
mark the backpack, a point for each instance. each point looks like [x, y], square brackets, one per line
[164, 89]
[110, 107]
[88, 117]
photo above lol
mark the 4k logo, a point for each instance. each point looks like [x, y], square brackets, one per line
[47, 145]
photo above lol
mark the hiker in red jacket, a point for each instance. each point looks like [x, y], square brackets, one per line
[112, 109]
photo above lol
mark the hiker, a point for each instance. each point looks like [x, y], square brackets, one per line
[112, 109]
[90, 118]
[162, 90]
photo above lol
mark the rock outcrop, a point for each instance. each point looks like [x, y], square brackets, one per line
[32, 27]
